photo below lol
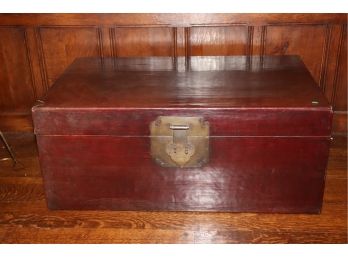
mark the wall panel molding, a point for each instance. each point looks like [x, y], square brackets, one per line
[300, 39]
[226, 39]
[16, 74]
[343, 34]
[324, 62]
[62, 44]
[143, 40]
[30, 63]
[43, 45]
[179, 20]
[34, 60]
[332, 61]
[43, 71]
[250, 40]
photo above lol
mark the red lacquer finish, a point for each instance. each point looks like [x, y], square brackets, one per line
[270, 130]
[243, 174]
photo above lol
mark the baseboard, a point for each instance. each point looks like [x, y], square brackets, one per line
[16, 121]
[340, 123]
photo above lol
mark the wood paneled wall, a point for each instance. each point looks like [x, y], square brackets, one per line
[36, 48]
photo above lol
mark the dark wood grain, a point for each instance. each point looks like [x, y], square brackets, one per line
[50, 42]
[285, 39]
[340, 123]
[16, 119]
[17, 89]
[340, 96]
[223, 40]
[143, 41]
[60, 45]
[177, 19]
[24, 217]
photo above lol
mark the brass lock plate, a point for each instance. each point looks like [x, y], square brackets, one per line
[180, 141]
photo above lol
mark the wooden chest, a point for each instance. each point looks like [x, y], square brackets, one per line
[206, 133]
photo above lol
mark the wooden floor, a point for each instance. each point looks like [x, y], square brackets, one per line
[24, 217]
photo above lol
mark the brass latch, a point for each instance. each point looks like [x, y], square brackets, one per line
[180, 141]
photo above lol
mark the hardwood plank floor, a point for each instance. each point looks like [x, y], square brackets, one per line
[24, 217]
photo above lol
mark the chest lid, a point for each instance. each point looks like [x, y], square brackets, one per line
[238, 96]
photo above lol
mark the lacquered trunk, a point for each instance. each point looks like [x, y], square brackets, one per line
[267, 151]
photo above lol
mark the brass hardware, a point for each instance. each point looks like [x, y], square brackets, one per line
[180, 141]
